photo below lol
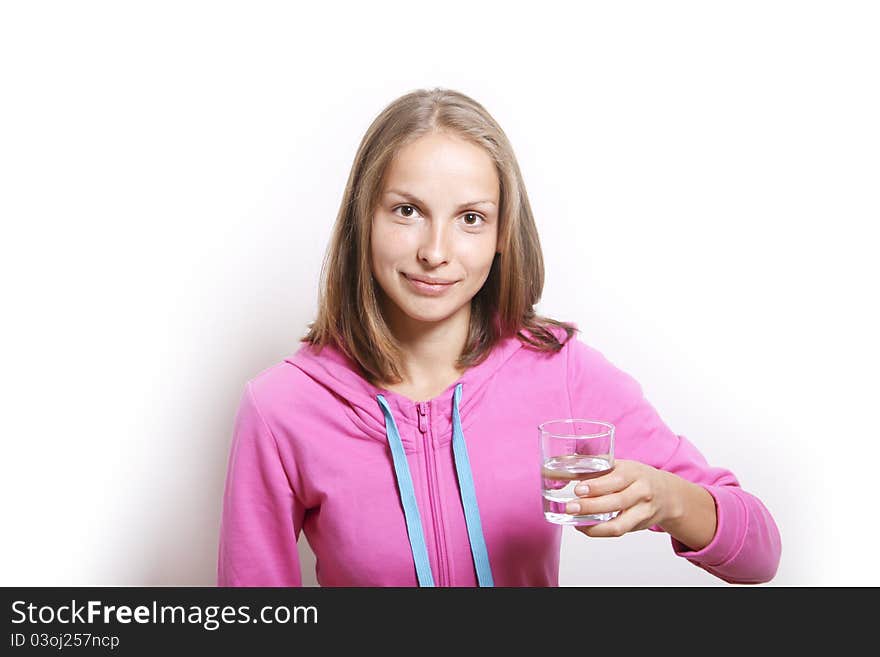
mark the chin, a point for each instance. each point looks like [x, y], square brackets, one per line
[427, 316]
[429, 310]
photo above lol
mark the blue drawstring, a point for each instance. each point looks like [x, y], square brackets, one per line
[466, 487]
[469, 497]
[408, 497]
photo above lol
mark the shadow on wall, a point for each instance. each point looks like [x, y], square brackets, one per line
[175, 543]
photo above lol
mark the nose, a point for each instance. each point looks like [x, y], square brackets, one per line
[434, 246]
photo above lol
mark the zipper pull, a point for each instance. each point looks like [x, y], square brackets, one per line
[423, 423]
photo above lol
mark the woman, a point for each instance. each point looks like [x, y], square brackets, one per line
[426, 333]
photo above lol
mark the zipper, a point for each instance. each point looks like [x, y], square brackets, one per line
[424, 424]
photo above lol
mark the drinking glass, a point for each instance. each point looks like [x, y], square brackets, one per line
[573, 450]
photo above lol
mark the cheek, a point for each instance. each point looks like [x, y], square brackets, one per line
[389, 246]
[478, 254]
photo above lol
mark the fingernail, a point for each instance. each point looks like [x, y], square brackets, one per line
[572, 507]
[582, 489]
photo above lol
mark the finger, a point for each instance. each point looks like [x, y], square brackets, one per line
[623, 523]
[618, 478]
[624, 499]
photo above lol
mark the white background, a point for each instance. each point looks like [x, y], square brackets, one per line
[705, 180]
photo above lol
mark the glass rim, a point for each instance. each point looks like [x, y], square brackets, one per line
[609, 428]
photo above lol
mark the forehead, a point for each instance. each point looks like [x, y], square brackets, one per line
[441, 163]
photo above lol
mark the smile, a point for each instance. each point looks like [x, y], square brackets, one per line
[428, 289]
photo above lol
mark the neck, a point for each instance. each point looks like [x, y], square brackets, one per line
[431, 349]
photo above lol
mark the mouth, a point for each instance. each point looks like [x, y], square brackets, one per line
[427, 288]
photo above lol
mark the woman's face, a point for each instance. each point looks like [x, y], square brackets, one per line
[436, 219]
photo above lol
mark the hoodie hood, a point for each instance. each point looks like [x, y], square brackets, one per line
[336, 372]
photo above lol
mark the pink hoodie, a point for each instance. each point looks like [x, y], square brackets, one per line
[310, 452]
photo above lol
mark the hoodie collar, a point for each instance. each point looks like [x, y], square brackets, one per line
[336, 372]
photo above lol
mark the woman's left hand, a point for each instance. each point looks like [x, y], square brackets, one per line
[643, 495]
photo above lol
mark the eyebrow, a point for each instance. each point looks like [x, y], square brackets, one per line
[418, 201]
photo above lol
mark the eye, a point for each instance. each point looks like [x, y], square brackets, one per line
[476, 216]
[472, 219]
[408, 207]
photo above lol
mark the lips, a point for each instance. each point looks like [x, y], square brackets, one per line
[429, 289]
[429, 281]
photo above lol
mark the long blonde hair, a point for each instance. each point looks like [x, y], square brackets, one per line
[349, 313]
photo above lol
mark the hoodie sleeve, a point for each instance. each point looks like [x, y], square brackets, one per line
[746, 547]
[261, 517]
